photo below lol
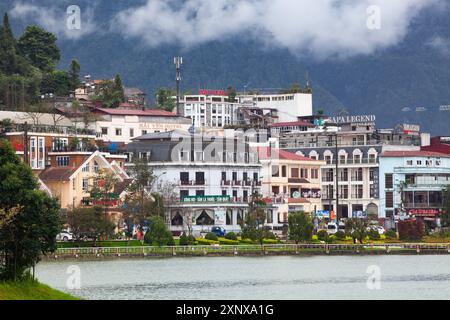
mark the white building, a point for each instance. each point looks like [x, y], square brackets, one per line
[209, 108]
[121, 126]
[412, 184]
[212, 189]
[288, 106]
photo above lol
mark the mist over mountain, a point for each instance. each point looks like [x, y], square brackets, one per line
[255, 45]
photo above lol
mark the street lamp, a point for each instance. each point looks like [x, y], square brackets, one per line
[335, 135]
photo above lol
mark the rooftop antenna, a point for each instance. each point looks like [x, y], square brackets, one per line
[178, 61]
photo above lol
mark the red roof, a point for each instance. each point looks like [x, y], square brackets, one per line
[291, 124]
[125, 112]
[417, 153]
[270, 153]
[57, 173]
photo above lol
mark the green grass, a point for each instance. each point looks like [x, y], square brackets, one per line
[31, 290]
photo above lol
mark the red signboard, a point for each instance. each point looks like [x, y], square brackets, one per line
[204, 92]
[423, 212]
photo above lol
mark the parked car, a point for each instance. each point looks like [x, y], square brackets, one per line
[379, 229]
[219, 231]
[333, 228]
[64, 236]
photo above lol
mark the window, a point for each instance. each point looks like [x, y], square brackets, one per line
[184, 178]
[419, 162]
[314, 173]
[131, 132]
[62, 161]
[294, 172]
[283, 171]
[409, 162]
[389, 199]
[105, 131]
[144, 155]
[428, 163]
[183, 194]
[86, 168]
[438, 163]
[389, 183]
[275, 171]
[304, 173]
[144, 132]
[85, 185]
[118, 132]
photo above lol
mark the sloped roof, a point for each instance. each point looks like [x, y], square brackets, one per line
[291, 124]
[271, 153]
[135, 112]
[57, 174]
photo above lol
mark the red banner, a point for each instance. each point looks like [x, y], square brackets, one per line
[423, 212]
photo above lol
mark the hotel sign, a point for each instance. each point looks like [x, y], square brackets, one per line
[203, 92]
[354, 119]
[423, 212]
[160, 126]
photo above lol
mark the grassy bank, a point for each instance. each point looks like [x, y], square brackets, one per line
[31, 290]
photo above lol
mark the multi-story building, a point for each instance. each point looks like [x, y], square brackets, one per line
[291, 183]
[412, 184]
[210, 108]
[120, 126]
[71, 175]
[213, 177]
[283, 107]
[351, 144]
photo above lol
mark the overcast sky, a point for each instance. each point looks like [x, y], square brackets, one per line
[320, 28]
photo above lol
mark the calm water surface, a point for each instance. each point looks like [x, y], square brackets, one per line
[321, 277]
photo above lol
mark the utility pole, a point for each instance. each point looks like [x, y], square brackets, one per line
[178, 61]
[25, 144]
[337, 180]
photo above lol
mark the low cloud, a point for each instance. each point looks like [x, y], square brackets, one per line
[55, 19]
[321, 28]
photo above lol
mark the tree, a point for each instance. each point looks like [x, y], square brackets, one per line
[158, 234]
[103, 189]
[90, 222]
[74, 75]
[357, 229]
[10, 60]
[300, 227]
[56, 82]
[110, 92]
[445, 217]
[33, 228]
[253, 228]
[165, 99]
[39, 47]
[231, 94]
[138, 200]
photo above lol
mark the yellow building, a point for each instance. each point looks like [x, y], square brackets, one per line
[290, 182]
[73, 174]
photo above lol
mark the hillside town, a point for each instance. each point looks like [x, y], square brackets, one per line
[218, 151]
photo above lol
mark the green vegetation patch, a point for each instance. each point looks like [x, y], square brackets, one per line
[31, 290]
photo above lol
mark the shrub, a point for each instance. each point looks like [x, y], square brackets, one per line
[322, 235]
[186, 240]
[391, 234]
[270, 241]
[211, 236]
[206, 242]
[270, 235]
[411, 230]
[228, 241]
[158, 234]
[340, 235]
[246, 241]
[373, 235]
[231, 236]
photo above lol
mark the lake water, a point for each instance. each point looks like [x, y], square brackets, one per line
[259, 278]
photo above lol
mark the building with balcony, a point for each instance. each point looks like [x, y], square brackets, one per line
[210, 108]
[72, 175]
[290, 182]
[213, 177]
[412, 184]
[120, 126]
[284, 107]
